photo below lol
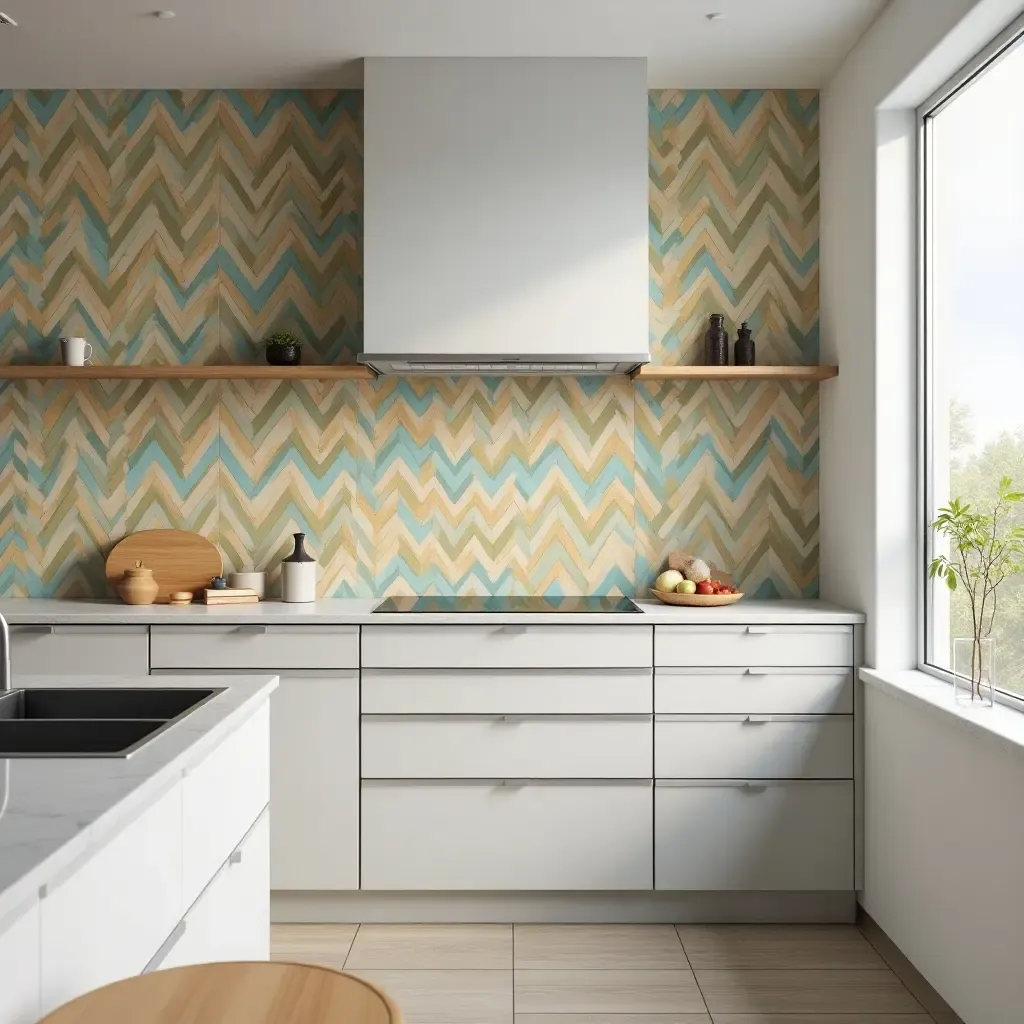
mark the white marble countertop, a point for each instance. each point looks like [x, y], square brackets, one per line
[359, 611]
[56, 810]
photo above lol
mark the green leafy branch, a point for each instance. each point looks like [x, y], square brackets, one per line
[988, 546]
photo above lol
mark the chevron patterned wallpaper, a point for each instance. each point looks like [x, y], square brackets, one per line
[175, 227]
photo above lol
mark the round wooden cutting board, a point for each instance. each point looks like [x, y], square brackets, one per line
[180, 560]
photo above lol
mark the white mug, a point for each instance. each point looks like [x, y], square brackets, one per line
[75, 351]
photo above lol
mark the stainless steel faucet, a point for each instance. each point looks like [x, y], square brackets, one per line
[5, 656]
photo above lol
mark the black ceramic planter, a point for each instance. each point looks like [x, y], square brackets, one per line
[284, 355]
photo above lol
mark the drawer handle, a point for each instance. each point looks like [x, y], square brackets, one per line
[236, 857]
[759, 630]
[757, 719]
[510, 630]
[752, 789]
[34, 630]
[253, 629]
[756, 673]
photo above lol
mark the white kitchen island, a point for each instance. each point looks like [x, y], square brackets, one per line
[112, 866]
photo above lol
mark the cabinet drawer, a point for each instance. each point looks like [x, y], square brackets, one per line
[540, 836]
[764, 691]
[735, 835]
[231, 919]
[506, 746]
[79, 650]
[749, 747]
[507, 646]
[493, 691]
[741, 646]
[255, 646]
[221, 798]
[111, 915]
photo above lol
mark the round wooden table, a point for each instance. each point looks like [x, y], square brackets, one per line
[233, 993]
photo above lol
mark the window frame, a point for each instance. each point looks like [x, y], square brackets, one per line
[1007, 40]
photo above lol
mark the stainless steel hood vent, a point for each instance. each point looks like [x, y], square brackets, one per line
[505, 216]
[553, 366]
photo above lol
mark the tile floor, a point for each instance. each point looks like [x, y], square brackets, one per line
[616, 974]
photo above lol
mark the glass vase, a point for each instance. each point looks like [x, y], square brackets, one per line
[974, 669]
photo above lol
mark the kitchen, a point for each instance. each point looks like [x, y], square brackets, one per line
[497, 764]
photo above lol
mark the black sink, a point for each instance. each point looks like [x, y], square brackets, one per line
[82, 722]
[114, 702]
[67, 738]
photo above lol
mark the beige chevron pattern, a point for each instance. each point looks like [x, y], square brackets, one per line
[298, 459]
[180, 226]
[730, 471]
[734, 221]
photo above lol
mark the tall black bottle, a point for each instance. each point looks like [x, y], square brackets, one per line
[716, 342]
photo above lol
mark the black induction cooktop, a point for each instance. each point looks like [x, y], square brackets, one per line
[602, 604]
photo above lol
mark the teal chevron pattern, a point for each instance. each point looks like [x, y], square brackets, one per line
[180, 226]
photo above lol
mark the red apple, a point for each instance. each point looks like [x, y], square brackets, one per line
[705, 587]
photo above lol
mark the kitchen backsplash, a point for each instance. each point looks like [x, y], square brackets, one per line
[176, 227]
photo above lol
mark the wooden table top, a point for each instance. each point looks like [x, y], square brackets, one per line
[233, 993]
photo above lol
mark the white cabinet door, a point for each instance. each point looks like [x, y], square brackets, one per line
[108, 918]
[19, 967]
[507, 746]
[231, 919]
[221, 798]
[484, 835]
[507, 646]
[753, 747]
[314, 782]
[78, 650]
[731, 835]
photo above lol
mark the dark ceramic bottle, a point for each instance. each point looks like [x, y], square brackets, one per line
[743, 351]
[716, 342]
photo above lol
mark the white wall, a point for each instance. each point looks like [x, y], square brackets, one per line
[867, 493]
[945, 836]
[936, 800]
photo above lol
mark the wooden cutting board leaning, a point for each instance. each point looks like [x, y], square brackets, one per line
[180, 560]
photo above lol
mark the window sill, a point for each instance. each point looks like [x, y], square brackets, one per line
[1000, 724]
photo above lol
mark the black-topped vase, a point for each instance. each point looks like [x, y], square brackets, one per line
[298, 574]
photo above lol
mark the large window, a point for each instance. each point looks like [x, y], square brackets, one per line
[972, 162]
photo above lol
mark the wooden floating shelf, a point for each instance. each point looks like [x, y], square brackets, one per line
[649, 372]
[158, 371]
[195, 372]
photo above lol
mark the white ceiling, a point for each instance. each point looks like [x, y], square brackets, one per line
[262, 43]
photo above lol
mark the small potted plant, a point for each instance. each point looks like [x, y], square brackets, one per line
[987, 548]
[283, 349]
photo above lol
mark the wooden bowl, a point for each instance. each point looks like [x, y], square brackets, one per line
[696, 600]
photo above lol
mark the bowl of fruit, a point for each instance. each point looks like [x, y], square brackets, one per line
[690, 582]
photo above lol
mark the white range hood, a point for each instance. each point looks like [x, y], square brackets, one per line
[505, 215]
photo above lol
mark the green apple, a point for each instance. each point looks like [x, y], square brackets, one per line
[686, 587]
[668, 581]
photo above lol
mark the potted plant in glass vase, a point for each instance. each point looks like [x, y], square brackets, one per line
[985, 549]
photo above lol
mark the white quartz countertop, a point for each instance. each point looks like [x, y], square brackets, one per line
[54, 811]
[359, 611]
